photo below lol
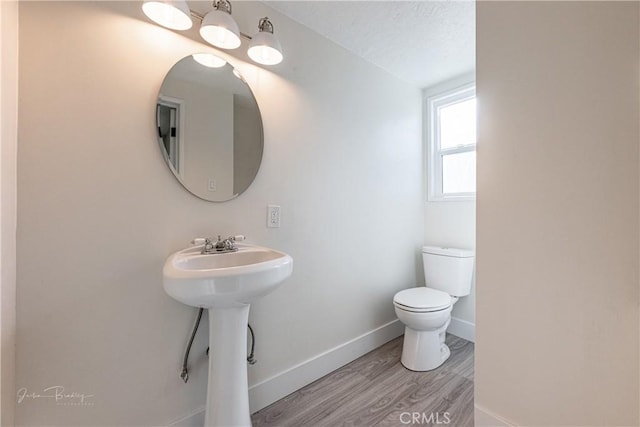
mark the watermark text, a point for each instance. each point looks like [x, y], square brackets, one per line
[432, 418]
[58, 394]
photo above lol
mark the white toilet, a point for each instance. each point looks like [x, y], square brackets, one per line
[426, 311]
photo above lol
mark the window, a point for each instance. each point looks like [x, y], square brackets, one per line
[451, 142]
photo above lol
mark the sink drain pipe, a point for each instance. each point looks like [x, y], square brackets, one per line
[185, 371]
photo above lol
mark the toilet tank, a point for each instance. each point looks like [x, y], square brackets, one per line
[448, 269]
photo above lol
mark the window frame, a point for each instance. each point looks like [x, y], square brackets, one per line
[434, 101]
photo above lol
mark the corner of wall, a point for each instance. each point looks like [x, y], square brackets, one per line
[8, 146]
[516, 148]
[485, 418]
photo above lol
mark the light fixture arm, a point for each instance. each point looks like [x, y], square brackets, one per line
[223, 5]
[265, 25]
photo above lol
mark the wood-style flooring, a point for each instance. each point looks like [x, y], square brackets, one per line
[376, 390]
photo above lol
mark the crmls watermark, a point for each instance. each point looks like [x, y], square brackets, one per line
[433, 418]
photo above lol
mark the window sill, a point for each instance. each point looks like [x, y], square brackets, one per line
[467, 198]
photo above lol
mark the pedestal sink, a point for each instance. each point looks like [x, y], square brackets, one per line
[226, 284]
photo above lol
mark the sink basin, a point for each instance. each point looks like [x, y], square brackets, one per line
[225, 279]
[226, 284]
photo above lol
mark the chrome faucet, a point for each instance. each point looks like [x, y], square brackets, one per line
[220, 246]
[226, 245]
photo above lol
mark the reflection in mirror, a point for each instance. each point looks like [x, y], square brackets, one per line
[167, 113]
[209, 129]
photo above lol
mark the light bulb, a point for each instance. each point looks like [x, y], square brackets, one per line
[264, 47]
[219, 29]
[173, 14]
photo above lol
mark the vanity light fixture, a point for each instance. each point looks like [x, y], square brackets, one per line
[264, 47]
[174, 14]
[209, 60]
[217, 28]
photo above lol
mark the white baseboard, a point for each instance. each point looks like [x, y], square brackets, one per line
[194, 419]
[284, 383]
[463, 329]
[485, 418]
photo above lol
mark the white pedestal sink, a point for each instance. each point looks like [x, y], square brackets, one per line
[226, 284]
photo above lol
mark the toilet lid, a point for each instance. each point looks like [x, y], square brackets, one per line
[423, 299]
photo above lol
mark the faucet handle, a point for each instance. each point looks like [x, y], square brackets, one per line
[238, 238]
[206, 243]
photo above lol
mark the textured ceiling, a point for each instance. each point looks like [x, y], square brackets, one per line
[421, 42]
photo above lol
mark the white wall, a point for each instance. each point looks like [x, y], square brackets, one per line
[557, 208]
[99, 211]
[8, 146]
[453, 223]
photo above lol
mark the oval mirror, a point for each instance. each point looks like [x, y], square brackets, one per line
[209, 128]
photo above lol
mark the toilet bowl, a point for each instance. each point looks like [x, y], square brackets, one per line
[425, 327]
[426, 310]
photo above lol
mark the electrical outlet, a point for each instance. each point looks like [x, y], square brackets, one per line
[273, 216]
